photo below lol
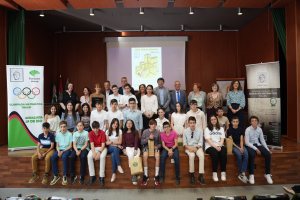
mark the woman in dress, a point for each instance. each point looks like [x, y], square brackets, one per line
[179, 119]
[85, 116]
[53, 119]
[199, 96]
[149, 106]
[86, 96]
[142, 92]
[214, 100]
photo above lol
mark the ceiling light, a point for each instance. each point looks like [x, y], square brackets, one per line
[142, 28]
[182, 27]
[92, 12]
[191, 11]
[240, 12]
[142, 11]
[221, 27]
[42, 13]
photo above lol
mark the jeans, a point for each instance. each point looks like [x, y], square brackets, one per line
[215, 155]
[242, 165]
[83, 159]
[64, 157]
[265, 153]
[115, 157]
[164, 156]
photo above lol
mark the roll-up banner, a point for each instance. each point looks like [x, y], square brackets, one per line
[25, 99]
[263, 83]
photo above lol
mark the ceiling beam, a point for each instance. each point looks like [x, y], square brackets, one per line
[9, 4]
[84, 4]
[246, 3]
[196, 3]
[280, 3]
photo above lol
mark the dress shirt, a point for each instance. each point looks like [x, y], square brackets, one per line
[177, 94]
[252, 135]
[135, 116]
[197, 139]
[238, 98]
[162, 96]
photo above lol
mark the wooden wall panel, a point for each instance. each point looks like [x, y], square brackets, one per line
[232, 53]
[221, 54]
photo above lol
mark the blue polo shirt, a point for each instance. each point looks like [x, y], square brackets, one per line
[46, 141]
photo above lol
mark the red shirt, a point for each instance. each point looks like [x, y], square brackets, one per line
[97, 139]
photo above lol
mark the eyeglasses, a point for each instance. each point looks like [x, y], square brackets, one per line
[192, 136]
[131, 103]
[166, 126]
[194, 104]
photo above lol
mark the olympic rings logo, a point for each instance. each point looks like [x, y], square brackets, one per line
[26, 92]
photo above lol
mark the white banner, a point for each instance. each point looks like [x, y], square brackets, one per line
[224, 85]
[25, 99]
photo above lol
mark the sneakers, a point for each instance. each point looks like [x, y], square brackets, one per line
[215, 177]
[33, 178]
[269, 179]
[243, 178]
[73, 178]
[289, 190]
[156, 180]
[54, 179]
[162, 178]
[223, 176]
[65, 180]
[201, 181]
[81, 181]
[192, 182]
[45, 179]
[145, 180]
[177, 180]
[251, 179]
[134, 181]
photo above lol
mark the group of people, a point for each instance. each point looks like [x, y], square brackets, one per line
[119, 121]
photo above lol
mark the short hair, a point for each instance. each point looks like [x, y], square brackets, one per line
[215, 84]
[163, 109]
[193, 102]
[67, 86]
[113, 101]
[114, 86]
[95, 124]
[152, 121]
[161, 79]
[198, 85]
[177, 81]
[166, 123]
[131, 99]
[127, 85]
[107, 82]
[235, 117]
[231, 85]
[124, 78]
[98, 85]
[253, 117]
[192, 118]
[63, 122]
[79, 123]
[219, 108]
[46, 125]
[98, 102]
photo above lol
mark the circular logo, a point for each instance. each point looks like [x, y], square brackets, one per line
[135, 164]
[26, 92]
[198, 116]
[180, 143]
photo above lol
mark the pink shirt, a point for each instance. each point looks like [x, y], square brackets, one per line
[169, 139]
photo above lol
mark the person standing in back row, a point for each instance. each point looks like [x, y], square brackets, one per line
[178, 96]
[163, 96]
[122, 88]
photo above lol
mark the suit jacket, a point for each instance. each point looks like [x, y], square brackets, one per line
[167, 98]
[104, 93]
[121, 91]
[173, 102]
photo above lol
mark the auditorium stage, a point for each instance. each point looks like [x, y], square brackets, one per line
[15, 171]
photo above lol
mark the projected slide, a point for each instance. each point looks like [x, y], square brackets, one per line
[146, 66]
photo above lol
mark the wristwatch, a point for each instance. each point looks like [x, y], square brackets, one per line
[197, 148]
[100, 151]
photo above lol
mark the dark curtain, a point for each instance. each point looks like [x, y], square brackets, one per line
[278, 15]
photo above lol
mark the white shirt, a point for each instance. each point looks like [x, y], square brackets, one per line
[125, 100]
[214, 135]
[112, 96]
[113, 137]
[106, 97]
[99, 117]
[149, 104]
[111, 115]
[252, 135]
[159, 126]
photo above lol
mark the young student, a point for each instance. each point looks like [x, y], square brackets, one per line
[135, 115]
[237, 134]
[169, 144]
[99, 115]
[256, 144]
[63, 146]
[214, 135]
[53, 119]
[130, 139]
[161, 119]
[198, 114]
[193, 142]
[151, 134]
[113, 113]
[149, 106]
[46, 141]
[97, 94]
[178, 119]
[115, 95]
[124, 104]
[86, 116]
[223, 121]
[114, 142]
[80, 146]
[71, 117]
[98, 152]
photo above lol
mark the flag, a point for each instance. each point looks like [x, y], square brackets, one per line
[54, 96]
[61, 89]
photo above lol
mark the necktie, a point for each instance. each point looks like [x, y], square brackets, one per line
[178, 96]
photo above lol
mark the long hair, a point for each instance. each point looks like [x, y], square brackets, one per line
[181, 108]
[210, 126]
[88, 112]
[151, 88]
[111, 128]
[132, 129]
[88, 89]
[144, 87]
[73, 111]
[49, 112]
[231, 85]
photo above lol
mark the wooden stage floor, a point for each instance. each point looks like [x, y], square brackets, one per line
[15, 171]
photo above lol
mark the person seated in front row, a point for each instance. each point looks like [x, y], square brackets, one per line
[63, 146]
[98, 152]
[151, 134]
[46, 141]
[193, 142]
[198, 114]
[253, 135]
[236, 133]
[169, 144]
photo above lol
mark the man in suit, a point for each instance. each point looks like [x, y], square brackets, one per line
[122, 89]
[107, 91]
[163, 96]
[178, 96]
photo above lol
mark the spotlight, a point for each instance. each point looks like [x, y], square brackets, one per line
[141, 11]
[102, 28]
[182, 27]
[42, 13]
[191, 11]
[92, 12]
[240, 12]
[221, 27]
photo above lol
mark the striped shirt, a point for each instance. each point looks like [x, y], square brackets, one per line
[238, 98]
[46, 141]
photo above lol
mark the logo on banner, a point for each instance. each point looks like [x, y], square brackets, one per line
[273, 101]
[26, 92]
[16, 75]
[34, 72]
[262, 79]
